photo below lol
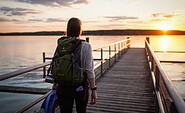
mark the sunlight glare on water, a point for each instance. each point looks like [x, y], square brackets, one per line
[165, 42]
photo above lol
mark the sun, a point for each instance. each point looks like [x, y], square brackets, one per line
[164, 26]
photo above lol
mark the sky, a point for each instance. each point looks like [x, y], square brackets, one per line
[52, 15]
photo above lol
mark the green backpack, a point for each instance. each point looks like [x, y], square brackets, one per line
[66, 65]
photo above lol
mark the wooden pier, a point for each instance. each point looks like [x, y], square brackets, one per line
[129, 80]
[126, 86]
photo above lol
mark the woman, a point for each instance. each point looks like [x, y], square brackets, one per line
[67, 95]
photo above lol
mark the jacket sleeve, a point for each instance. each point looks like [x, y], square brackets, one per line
[87, 59]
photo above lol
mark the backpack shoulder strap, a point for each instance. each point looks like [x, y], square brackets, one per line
[78, 43]
[61, 38]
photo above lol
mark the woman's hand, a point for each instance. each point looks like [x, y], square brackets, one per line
[93, 97]
[54, 87]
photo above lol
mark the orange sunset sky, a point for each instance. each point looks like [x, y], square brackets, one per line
[52, 15]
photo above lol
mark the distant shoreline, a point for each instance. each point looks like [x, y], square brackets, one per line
[100, 32]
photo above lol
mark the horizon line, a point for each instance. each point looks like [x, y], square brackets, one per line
[95, 30]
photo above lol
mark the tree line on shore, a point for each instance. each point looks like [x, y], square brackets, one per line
[101, 32]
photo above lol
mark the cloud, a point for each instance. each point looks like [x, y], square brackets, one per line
[112, 25]
[55, 3]
[3, 20]
[55, 20]
[168, 16]
[44, 20]
[15, 20]
[135, 22]
[17, 11]
[9, 20]
[90, 21]
[120, 18]
[162, 15]
[35, 20]
[47, 20]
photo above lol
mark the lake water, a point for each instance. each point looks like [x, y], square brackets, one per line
[17, 52]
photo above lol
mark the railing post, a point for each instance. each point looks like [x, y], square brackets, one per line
[157, 78]
[44, 68]
[173, 109]
[87, 39]
[128, 41]
[148, 39]
[109, 56]
[156, 105]
[115, 52]
[101, 61]
[150, 56]
[152, 63]
[119, 49]
[124, 47]
[157, 87]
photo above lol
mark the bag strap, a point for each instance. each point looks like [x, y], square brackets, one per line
[77, 43]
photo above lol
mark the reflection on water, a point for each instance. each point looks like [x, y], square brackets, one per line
[176, 73]
[175, 43]
[24, 51]
[164, 41]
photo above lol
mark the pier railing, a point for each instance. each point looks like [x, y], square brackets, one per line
[108, 55]
[168, 99]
